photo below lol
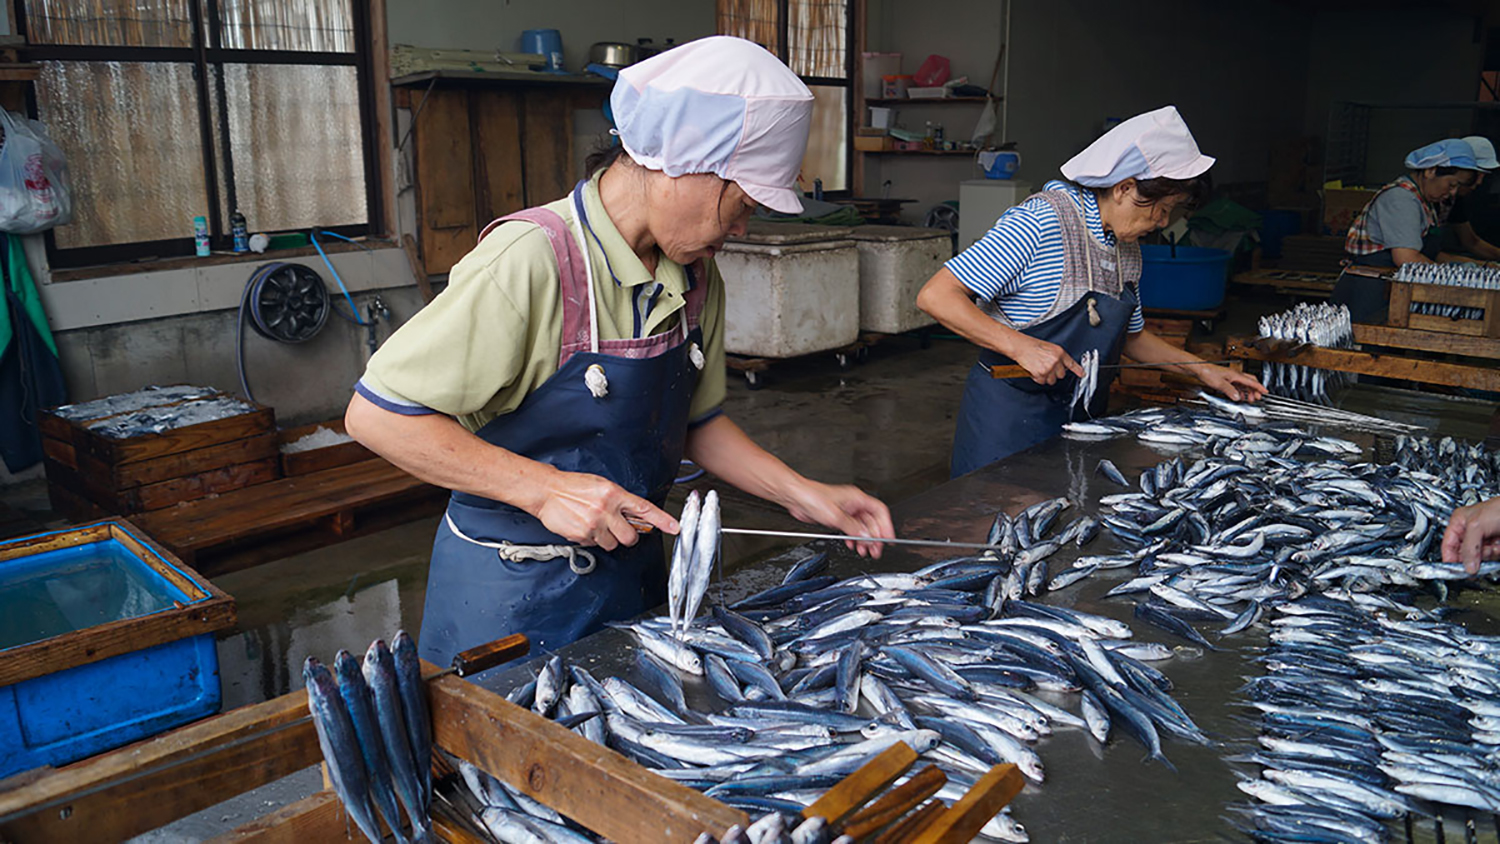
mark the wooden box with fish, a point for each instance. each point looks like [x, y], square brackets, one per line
[153, 448]
[206, 763]
[105, 638]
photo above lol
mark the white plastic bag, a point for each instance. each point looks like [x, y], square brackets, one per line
[34, 190]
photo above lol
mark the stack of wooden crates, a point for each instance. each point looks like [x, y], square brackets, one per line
[91, 473]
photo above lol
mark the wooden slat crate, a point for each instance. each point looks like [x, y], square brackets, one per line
[295, 463]
[123, 793]
[1404, 294]
[90, 474]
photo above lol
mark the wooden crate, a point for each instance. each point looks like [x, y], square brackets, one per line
[295, 463]
[1404, 294]
[90, 474]
[127, 792]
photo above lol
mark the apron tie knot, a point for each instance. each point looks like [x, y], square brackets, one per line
[513, 553]
[695, 355]
[597, 383]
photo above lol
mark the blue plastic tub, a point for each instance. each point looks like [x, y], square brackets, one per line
[1194, 280]
[1275, 225]
[64, 607]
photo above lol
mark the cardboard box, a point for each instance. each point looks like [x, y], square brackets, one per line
[1341, 206]
[872, 143]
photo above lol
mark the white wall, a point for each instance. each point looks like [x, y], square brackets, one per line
[491, 25]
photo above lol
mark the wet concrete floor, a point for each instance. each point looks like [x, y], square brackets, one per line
[885, 424]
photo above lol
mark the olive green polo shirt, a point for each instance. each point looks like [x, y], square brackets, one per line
[493, 335]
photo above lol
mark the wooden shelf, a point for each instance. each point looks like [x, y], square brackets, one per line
[19, 72]
[471, 78]
[967, 152]
[927, 101]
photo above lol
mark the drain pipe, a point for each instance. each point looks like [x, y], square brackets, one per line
[1005, 86]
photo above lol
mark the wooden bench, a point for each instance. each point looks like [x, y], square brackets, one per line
[272, 520]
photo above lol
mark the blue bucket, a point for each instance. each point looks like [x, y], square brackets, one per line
[1194, 280]
[1275, 225]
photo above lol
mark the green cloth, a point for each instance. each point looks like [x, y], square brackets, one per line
[816, 212]
[22, 286]
[1223, 215]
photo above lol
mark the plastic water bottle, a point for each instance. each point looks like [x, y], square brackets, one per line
[200, 235]
[240, 231]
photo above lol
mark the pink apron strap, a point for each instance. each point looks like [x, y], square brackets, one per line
[571, 274]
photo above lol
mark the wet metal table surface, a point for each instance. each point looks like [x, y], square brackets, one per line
[1091, 793]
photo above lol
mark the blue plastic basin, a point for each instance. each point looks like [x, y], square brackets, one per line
[76, 712]
[1193, 280]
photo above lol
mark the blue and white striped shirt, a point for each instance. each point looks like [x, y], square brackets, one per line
[1018, 265]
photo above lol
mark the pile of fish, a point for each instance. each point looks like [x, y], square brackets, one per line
[1370, 711]
[1324, 325]
[1368, 702]
[1473, 276]
[815, 676]
[376, 737]
[141, 399]
[156, 420]
[1476, 276]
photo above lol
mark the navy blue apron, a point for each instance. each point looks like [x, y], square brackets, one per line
[633, 435]
[1001, 416]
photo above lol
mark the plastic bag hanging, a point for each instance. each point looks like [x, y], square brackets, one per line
[35, 191]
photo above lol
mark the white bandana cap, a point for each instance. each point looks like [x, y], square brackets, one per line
[719, 105]
[1148, 146]
[1484, 151]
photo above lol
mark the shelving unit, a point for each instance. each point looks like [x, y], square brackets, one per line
[927, 101]
[968, 152]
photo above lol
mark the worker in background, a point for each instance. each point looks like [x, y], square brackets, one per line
[1473, 535]
[1399, 224]
[1057, 277]
[1456, 215]
[578, 353]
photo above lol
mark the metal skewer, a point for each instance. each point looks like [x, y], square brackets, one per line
[791, 534]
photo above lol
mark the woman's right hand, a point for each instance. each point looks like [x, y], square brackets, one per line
[1048, 363]
[595, 512]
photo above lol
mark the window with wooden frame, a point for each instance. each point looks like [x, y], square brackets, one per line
[814, 38]
[173, 109]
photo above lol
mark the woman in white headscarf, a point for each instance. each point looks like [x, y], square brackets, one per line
[1057, 277]
[577, 354]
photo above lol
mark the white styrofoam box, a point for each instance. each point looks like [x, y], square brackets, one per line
[894, 263]
[980, 204]
[790, 299]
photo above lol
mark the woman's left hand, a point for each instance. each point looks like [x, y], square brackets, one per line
[1235, 385]
[846, 509]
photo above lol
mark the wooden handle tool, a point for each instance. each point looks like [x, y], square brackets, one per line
[913, 824]
[855, 790]
[486, 656]
[972, 811]
[895, 803]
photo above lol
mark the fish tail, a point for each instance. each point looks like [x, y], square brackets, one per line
[1158, 756]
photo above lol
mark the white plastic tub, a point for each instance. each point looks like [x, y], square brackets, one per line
[791, 290]
[894, 263]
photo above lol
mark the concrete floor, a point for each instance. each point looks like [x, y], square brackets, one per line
[886, 424]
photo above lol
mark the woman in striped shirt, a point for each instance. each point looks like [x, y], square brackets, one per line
[1056, 278]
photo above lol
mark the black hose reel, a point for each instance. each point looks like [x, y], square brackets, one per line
[287, 303]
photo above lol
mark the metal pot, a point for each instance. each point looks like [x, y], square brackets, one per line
[614, 54]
